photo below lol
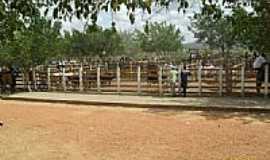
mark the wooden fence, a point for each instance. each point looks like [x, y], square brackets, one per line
[141, 79]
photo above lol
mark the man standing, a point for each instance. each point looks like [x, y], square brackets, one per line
[258, 65]
[184, 80]
[14, 74]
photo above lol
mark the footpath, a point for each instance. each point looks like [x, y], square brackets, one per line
[248, 104]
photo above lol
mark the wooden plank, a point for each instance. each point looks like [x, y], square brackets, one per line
[34, 78]
[243, 81]
[64, 79]
[220, 75]
[266, 81]
[160, 81]
[118, 78]
[139, 79]
[200, 80]
[179, 78]
[81, 78]
[98, 79]
[49, 78]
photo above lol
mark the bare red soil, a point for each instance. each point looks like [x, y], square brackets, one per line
[47, 131]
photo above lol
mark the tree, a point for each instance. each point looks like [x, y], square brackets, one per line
[23, 10]
[219, 33]
[131, 47]
[34, 45]
[90, 9]
[15, 16]
[95, 41]
[261, 24]
[159, 38]
[252, 25]
[105, 43]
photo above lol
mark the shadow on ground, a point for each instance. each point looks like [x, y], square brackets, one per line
[244, 117]
[258, 101]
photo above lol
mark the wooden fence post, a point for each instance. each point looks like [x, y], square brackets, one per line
[24, 81]
[106, 66]
[200, 79]
[34, 78]
[130, 70]
[266, 80]
[243, 80]
[64, 79]
[118, 76]
[81, 78]
[139, 79]
[49, 78]
[98, 79]
[220, 75]
[160, 81]
[179, 78]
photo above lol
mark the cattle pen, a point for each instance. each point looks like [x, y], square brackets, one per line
[141, 78]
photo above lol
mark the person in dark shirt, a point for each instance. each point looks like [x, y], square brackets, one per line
[14, 74]
[184, 81]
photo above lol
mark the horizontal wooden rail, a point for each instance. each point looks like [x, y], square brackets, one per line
[140, 79]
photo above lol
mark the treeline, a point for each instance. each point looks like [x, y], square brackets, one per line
[28, 39]
[44, 41]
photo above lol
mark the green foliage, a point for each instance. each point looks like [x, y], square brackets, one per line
[245, 27]
[241, 28]
[14, 16]
[28, 40]
[250, 28]
[86, 9]
[95, 41]
[131, 47]
[218, 33]
[33, 45]
[160, 38]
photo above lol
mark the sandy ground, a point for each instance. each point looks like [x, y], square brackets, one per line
[44, 131]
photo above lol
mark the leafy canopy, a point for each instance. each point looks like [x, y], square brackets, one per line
[160, 38]
[95, 41]
[33, 45]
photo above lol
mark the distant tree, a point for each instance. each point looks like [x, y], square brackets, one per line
[131, 47]
[105, 43]
[161, 38]
[15, 15]
[34, 45]
[95, 41]
[217, 31]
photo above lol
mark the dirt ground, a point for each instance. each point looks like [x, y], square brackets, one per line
[45, 131]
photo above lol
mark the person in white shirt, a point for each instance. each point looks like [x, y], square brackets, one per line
[173, 79]
[259, 61]
[258, 65]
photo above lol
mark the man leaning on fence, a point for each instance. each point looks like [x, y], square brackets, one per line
[184, 81]
[258, 65]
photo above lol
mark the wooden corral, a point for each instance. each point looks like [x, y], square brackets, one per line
[140, 77]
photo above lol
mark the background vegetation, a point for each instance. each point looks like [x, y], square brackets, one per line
[28, 38]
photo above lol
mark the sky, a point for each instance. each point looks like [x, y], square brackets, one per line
[170, 15]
